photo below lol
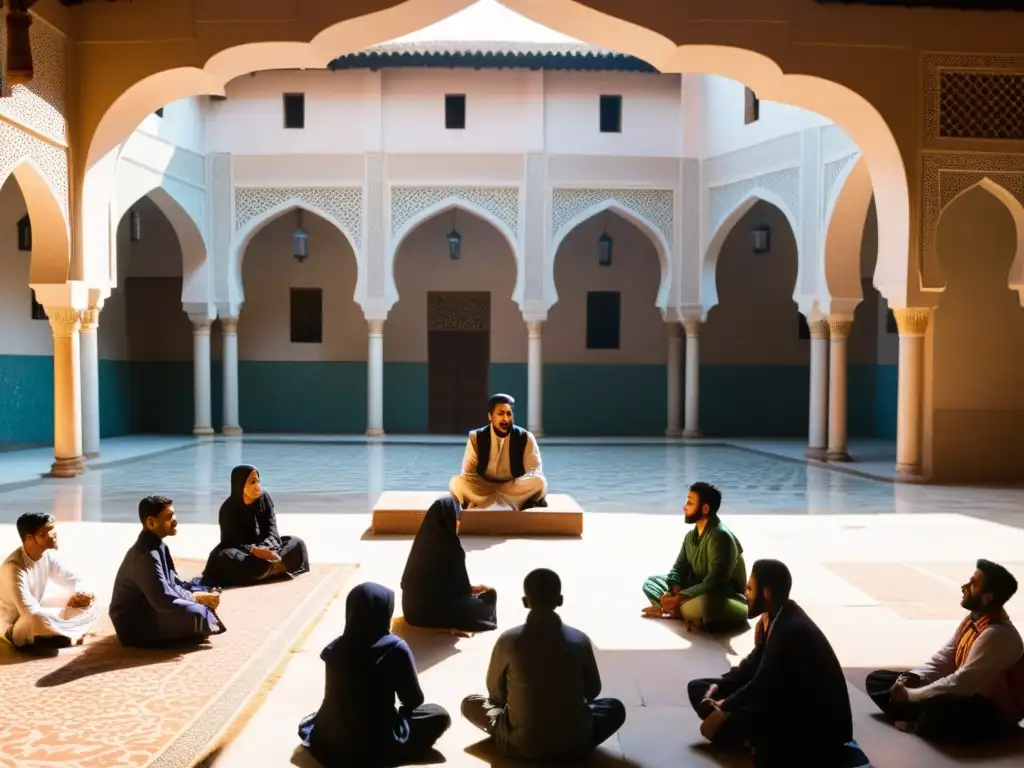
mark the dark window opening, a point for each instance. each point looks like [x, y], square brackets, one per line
[307, 317]
[159, 112]
[38, 312]
[294, 110]
[455, 111]
[891, 325]
[24, 233]
[751, 107]
[603, 319]
[611, 114]
[803, 329]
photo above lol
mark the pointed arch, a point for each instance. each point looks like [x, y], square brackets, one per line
[846, 214]
[1015, 280]
[243, 236]
[443, 206]
[709, 264]
[661, 244]
[51, 236]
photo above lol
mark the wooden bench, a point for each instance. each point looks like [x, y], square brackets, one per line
[401, 512]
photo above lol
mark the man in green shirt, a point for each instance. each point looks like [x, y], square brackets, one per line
[705, 586]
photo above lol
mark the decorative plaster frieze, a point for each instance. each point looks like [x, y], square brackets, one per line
[342, 205]
[723, 200]
[933, 66]
[654, 206]
[41, 104]
[408, 202]
[834, 170]
[16, 146]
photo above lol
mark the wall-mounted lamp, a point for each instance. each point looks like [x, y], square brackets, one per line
[762, 238]
[300, 239]
[454, 242]
[604, 246]
[135, 226]
[24, 233]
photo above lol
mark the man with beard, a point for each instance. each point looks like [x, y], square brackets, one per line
[973, 689]
[787, 700]
[705, 586]
[152, 605]
[501, 466]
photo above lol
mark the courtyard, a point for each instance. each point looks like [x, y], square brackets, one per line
[877, 564]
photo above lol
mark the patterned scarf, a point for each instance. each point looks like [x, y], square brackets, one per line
[970, 630]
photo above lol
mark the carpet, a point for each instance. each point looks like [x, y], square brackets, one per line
[105, 706]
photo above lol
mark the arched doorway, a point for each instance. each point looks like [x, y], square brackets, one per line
[976, 417]
[455, 334]
[301, 337]
[605, 336]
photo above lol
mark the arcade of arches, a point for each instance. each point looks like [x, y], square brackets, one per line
[927, 376]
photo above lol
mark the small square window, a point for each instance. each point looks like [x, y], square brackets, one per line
[611, 114]
[455, 111]
[603, 319]
[25, 233]
[751, 107]
[307, 317]
[159, 112]
[38, 312]
[294, 110]
[803, 329]
[891, 326]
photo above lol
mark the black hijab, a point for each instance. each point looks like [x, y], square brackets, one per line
[247, 525]
[369, 608]
[437, 561]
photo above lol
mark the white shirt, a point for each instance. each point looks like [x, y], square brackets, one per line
[499, 467]
[23, 583]
[994, 651]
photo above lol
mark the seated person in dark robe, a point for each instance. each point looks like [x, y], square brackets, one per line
[543, 684]
[366, 667]
[972, 690]
[705, 586]
[787, 701]
[151, 604]
[436, 591]
[250, 548]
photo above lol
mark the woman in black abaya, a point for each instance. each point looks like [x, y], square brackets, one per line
[436, 591]
[250, 548]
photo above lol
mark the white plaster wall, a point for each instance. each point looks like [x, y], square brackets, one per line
[652, 114]
[269, 272]
[183, 124]
[342, 114]
[723, 118]
[19, 333]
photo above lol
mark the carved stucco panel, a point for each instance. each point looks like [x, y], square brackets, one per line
[655, 206]
[52, 161]
[933, 67]
[41, 104]
[501, 202]
[536, 196]
[833, 171]
[344, 205]
[723, 200]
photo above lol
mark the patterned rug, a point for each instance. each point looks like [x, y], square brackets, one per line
[104, 706]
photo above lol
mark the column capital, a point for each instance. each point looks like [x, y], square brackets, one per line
[839, 327]
[376, 327]
[65, 321]
[91, 319]
[692, 326]
[201, 323]
[534, 328]
[229, 326]
[819, 328]
[912, 321]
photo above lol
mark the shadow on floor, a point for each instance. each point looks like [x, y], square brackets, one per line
[107, 655]
[428, 646]
[601, 757]
[303, 759]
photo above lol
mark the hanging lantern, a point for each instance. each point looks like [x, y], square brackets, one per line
[762, 239]
[24, 233]
[454, 242]
[300, 240]
[135, 226]
[604, 250]
[20, 69]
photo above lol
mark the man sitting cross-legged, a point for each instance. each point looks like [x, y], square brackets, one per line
[27, 621]
[543, 684]
[152, 605]
[787, 700]
[973, 688]
[705, 586]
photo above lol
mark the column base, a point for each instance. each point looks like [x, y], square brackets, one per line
[91, 455]
[909, 473]
[374, 432]
[68, 467]
[816, 454]
[673, 432]
[203, 431]
[691, 434]
[838, 456]
[231, 431]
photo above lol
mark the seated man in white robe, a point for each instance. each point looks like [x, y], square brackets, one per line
[501, 467]
[28, 618]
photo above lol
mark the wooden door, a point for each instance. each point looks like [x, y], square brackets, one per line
[459, 355]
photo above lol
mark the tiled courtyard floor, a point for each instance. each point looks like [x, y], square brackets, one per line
[877, 565]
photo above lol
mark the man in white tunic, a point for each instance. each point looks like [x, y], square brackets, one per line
[27, 617]
[501, 467]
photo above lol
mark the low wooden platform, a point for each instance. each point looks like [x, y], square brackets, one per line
[400, 512]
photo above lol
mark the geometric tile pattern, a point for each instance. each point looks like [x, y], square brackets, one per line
[981, 105]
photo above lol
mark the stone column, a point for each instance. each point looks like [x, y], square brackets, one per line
[674, 374]
[229, 334]
[692, 420]
[67, 392]
[839, 332]
[90, 362]
[913, 324]
[375, 380]
[201, 395]
[817, 430]
[535, 378]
